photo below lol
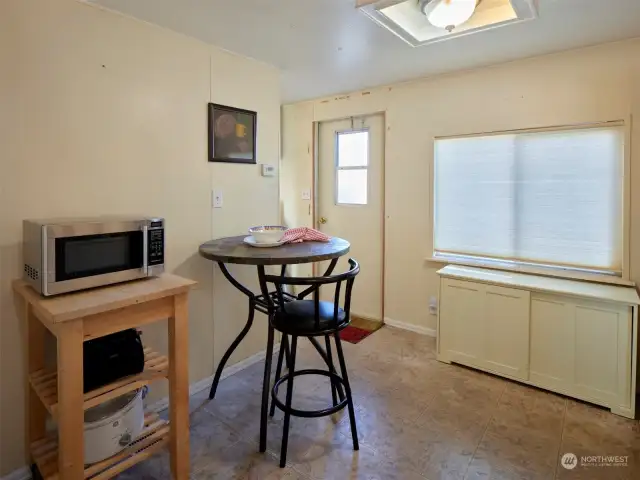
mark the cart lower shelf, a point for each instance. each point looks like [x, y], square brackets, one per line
[154, 437]
[45, 383]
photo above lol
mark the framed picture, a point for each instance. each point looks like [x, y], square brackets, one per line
[232, 134]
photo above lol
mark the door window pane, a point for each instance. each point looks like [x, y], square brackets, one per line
[353, 149]
[352, 186]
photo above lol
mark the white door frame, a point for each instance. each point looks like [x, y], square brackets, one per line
[315, 190]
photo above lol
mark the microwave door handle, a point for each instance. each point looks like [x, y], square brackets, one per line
[145, 250]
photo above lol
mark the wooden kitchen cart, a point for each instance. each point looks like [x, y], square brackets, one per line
[75, 318]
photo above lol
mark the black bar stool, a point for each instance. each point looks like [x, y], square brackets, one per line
[313, 318]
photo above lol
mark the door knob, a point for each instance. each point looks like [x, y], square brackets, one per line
[322, 220]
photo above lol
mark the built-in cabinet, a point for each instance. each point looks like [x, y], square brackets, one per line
[542, 333]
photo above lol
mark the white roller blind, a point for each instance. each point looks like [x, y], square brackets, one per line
[550, 197]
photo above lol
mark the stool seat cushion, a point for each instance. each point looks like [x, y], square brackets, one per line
[298, 318]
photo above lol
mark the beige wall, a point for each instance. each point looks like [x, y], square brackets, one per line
[296, 169]
[588, 85]
[104, 114]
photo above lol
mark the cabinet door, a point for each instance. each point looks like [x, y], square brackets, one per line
[461, 322]
[602, 352]
[552, 342]
[582, 348]
[507, 331]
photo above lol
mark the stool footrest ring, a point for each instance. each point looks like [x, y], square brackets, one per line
[308, 413]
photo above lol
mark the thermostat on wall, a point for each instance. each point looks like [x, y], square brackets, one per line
[268, 170]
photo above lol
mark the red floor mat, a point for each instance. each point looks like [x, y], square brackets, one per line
[353, 334]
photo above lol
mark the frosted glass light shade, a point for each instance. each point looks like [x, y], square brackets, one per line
[448, 13]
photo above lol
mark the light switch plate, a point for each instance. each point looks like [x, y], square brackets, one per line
[268, 170]
[306, 194]
[216, 198]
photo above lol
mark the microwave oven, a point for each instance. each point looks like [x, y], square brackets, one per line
[66, 255]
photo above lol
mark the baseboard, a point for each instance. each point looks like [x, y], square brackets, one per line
[366, 317]
[410, 326]
[205, 383]
[24, 473]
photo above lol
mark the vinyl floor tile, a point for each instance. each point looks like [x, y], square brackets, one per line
[417, 419]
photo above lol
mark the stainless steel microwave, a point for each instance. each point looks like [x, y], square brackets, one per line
[65, 255]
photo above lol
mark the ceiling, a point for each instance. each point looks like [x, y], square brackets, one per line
[325, 47]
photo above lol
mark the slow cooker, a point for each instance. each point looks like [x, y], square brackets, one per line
[111, 426]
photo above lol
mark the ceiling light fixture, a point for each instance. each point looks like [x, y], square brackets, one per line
[447, 14]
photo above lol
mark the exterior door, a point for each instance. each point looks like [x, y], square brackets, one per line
[350, 201]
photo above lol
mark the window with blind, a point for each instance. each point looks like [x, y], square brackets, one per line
[548, 198]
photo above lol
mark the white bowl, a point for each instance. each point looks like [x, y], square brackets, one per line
[267, 233]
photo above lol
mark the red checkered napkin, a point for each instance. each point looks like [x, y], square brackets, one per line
[304, 234]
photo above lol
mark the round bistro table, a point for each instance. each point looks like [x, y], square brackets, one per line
[233, 250]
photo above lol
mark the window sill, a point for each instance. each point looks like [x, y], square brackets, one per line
[547, 272]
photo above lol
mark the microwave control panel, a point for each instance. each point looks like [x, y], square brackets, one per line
[155, 241]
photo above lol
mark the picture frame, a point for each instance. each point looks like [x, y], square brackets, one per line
[232, 134]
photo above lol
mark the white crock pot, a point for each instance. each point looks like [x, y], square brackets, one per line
[112, 426]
